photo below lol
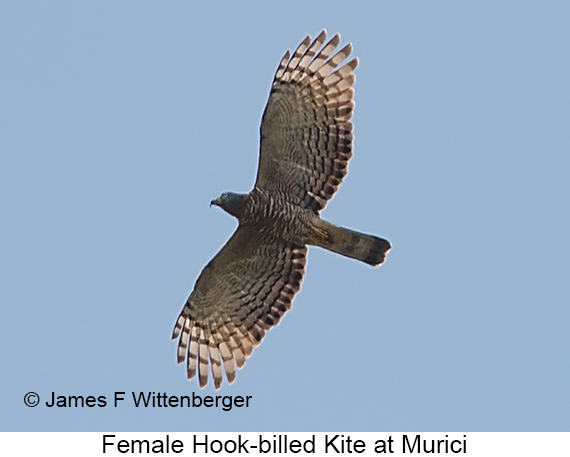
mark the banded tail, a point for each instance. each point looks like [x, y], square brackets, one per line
[366, 248]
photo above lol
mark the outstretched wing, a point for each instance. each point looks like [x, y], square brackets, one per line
[244, 291]
[306, 133]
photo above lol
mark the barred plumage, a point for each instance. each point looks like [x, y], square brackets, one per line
[306, 143]
[307, 120]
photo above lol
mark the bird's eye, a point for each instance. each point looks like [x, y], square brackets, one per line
[225, 195]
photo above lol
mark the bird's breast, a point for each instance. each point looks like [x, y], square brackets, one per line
[279, 218]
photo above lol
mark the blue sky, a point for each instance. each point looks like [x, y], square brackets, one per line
[122, 120]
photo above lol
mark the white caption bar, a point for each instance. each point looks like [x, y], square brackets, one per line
[268, 443]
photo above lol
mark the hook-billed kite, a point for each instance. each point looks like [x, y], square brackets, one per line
[306, 143]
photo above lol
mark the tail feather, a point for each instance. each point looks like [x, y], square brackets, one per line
[366, 248]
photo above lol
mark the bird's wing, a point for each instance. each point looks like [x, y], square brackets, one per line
[306, 133]
[244, 291]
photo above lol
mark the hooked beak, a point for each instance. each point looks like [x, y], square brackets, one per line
[216, 202]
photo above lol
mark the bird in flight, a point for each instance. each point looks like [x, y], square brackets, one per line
[306, 143]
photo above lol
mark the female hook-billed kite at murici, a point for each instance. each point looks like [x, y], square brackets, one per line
[306, 143]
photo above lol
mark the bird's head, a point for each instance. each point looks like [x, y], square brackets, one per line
[230, 202]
